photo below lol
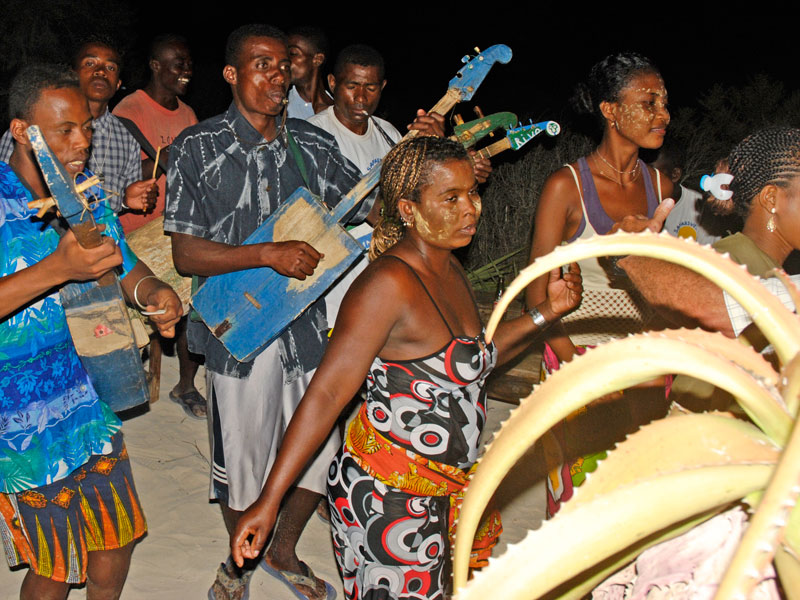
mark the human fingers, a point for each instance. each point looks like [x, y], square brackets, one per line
[660, 215]
[428, 123]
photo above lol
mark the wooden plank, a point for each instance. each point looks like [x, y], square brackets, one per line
[248, 309]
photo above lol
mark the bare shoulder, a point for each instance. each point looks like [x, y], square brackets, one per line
[561, 188]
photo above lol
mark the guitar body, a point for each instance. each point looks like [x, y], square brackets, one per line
[247, 310]
[101, 330]
[96, 312]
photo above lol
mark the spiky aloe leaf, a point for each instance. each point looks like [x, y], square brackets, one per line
[779, 325]
[788, 569]
[588, 377]
[767, 525]
[578, 587]
[642, 486]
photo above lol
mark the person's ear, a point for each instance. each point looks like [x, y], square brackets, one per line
[332, 82]
[229, 74]
[404, 207]
[19, 131]
[318, 59]
[609, 112]
[154, 65]
[767, 198]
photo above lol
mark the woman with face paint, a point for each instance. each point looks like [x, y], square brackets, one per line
[409, 326]
[626, 95]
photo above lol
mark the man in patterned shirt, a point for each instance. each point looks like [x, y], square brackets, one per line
[68, 505]
[114, 154]
[226, 176]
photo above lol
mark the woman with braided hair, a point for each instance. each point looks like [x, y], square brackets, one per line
[766, 195]
[409, 326]
[626, 95]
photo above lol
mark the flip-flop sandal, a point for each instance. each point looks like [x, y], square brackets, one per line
[290, 579]
[230, 585]
[190, 402]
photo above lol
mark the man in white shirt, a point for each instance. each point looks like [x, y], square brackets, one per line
[357, 81]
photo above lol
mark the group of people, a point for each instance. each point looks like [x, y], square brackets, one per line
[407, 330]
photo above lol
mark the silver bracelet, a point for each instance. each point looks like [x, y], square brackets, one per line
[136, 290]
[538, 318]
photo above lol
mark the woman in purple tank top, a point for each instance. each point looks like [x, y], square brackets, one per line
[626, 95]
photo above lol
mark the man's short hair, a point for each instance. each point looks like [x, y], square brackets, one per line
[29, 83]
[237, 38]
[314, 36]
[96, 39]
[359, 54]
[163, 41]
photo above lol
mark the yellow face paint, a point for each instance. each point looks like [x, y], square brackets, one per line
[449, 207]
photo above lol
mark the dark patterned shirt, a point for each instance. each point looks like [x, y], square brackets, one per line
[225, 180]
[115, 157]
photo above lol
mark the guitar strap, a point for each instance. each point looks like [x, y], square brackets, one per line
[385, 135]
[144, 144]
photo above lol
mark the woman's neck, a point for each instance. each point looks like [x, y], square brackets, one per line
[770, 243]
[619, 161]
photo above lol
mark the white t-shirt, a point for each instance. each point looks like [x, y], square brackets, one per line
[364, 151]
[684, 219]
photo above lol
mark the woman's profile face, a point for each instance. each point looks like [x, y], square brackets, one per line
[787, 212]
[449, 206]
[641, 111]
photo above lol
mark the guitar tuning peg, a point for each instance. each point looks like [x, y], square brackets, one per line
[477, 50]
[465, 58]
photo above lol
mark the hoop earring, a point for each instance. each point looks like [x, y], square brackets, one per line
[771, 221]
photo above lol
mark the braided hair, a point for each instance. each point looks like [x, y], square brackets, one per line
[404, 172]
[607, 79]
[768, 157]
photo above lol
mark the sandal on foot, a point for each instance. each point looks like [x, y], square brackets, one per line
[192, 403]
[228, 585]
[290, 580]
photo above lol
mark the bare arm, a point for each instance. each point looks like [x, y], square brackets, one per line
[563, 295]
[355, 343]
[679, 294]
[557, 217]
[155, 295]
[197, 256]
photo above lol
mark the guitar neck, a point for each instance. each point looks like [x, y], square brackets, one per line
[495, 148]
[373, 177]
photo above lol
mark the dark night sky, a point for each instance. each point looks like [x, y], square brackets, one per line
[553, 49]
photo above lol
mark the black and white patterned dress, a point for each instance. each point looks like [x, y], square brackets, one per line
[390, 543]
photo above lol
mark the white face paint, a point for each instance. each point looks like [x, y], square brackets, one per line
[449, 207]
[641, 111]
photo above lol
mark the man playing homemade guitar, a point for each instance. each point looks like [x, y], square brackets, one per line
[68, 502]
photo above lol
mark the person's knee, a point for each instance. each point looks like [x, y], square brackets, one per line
[38, 587]
[106, 573]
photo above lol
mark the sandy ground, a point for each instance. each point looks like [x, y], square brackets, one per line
[187, 540]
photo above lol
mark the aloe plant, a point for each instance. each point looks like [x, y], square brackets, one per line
[669, 476]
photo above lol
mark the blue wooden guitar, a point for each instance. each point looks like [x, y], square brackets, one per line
[96, 314]
[247, 310]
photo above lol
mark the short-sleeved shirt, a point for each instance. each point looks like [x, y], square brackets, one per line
[51, 419]
[114, 157]
[160, 126]
[224, 181]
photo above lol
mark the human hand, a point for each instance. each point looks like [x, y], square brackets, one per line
[141, 195]
[292, 258]
[428, 123]
[638, 223]
[256, 522]
[563, 292]
[83, 264]
[164, 298]
[482, 167]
